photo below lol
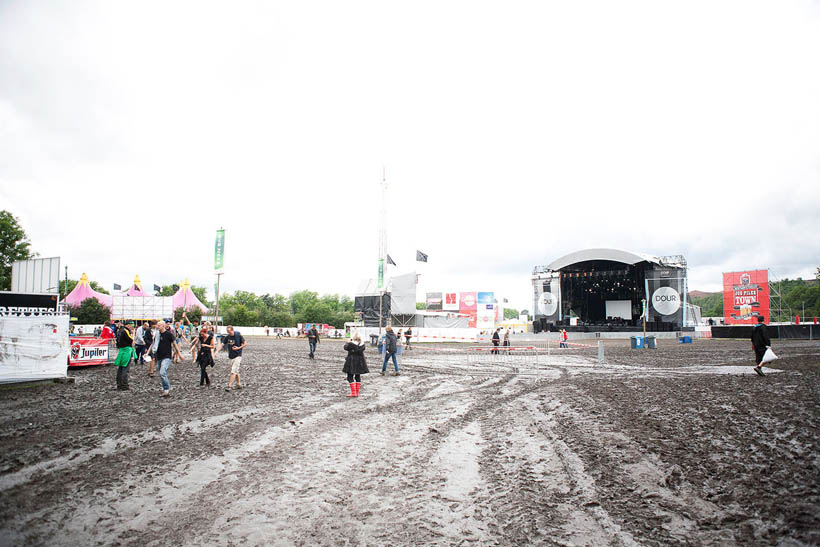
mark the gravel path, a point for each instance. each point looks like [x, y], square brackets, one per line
[680, 445]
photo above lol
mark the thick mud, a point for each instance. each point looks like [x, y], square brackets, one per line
[679, 445]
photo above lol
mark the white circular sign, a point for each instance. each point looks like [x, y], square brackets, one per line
[666, 300]
[548, 303]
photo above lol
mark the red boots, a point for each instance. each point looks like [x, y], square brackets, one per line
[354, 389]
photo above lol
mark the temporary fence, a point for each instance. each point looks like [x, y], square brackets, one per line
[529, 353]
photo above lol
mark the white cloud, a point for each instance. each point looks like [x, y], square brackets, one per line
[512, 132]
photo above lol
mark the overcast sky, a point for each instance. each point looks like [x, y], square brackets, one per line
[512, 133]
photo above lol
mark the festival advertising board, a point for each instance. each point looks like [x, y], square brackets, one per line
[434, 301]
[746, 297]
[27, 304]
[88, 351]
[485, 314]
[450, 301]
[467, 305]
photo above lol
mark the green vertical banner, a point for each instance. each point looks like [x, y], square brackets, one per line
[219, 250]
[381, 273]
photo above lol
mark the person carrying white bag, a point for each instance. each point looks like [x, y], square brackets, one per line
[762, 345]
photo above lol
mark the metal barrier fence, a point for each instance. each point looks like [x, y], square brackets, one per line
[530, 353]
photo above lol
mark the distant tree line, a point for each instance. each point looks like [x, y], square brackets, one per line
[250, 310]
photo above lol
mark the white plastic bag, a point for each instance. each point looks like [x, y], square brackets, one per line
[769, 356]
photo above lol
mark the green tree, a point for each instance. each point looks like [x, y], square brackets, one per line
[510, 313]
[91, 312]
[420, 306]
[14, 245]
[300, 300]
[194, 314]
[711, 305]
[240, 315]
[72, 283]
[165, 290]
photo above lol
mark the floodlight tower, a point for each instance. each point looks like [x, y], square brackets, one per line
[382, 244]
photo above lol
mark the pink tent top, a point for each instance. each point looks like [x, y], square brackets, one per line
[136, 288]
[83, 291]
[185, 298]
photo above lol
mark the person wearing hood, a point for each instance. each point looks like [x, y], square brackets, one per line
[390, 348]
[355, 364]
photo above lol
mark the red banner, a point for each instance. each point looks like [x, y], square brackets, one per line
[746, 297]
[87, 351]
[468, 305]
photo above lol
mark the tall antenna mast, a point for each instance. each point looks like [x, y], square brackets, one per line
[382, 244]
[383, 219]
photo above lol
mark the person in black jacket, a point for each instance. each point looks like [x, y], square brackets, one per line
[313, 339]
[355, 364]
[205, 356]
[760, 341]
[496, 340]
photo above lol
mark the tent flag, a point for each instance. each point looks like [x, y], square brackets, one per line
[420, 256]
[117, 287]
[390, 261]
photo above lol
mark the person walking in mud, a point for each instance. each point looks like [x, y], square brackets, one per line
[139, 342]
[390, 349]
[125, 352]
[205, 356]
[355, 364]
[151, 337]
[167, 347]
[235, 343]
[496, 341]
[760, 342]
[313, 339]
[507, 341]
[408, 334]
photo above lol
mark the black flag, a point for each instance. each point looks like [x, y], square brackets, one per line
[117, 287]
[390, 261]
[157, 288]
[421, 257]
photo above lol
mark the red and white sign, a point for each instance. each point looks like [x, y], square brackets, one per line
[450, 301]
[746, 297]
[467, 305]
[88, 351]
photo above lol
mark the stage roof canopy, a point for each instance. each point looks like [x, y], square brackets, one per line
[614, 255]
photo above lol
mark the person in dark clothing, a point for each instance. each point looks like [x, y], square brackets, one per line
[235, 343]
[355, 364]
[125, 352]
[760, 342]
[166, 348]
[313, 339]
[205, 356]
[390, 348]
[496, 340]
[408, 334]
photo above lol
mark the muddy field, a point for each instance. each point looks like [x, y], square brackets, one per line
[680, 445]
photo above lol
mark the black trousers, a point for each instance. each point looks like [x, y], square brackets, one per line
[122, 377]
[203, 377]
[759, 355]
[350, 378]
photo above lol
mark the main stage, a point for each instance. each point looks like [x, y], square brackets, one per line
[609, 290]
